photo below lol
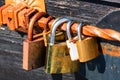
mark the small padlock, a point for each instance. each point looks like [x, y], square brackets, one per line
[87, 47]
[34, 50]
[71, 43]
[58, 58]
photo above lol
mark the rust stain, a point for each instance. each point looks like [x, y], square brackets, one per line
[111, 50]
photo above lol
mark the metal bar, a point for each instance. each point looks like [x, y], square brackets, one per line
[89, 30]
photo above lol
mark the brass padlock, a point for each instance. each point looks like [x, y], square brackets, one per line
[71, 43]
[34, 50]
[58, 59]
[87, 47]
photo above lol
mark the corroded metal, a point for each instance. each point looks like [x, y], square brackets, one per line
[33, 49]
[36, 4]
[92, 31]
[87, 30]
[1, 18]
[23, 22]
[35, 17]
[110, 49]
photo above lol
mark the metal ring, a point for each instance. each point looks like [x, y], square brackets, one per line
[56, 24]
[79, 31]
[68, 29]
[32, 21]
[56, 20]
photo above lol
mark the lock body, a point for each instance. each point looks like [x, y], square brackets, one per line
[33, 54]
[72, 50]
[59, 61]
[87, 49]
[34, 49]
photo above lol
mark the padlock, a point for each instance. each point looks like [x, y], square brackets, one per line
[71, 43]
[58, 58]
[33, 48]
[87, 46]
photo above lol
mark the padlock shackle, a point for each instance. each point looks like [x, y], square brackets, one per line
[54, 27]
[31, 24]
[68, 29]
[79, 31]
[57, 19]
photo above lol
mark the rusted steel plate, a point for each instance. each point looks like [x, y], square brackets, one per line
[1, 18]
[112, 50]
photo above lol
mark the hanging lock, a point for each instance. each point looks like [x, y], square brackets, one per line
[58, 58]
[71, 44]
[34, 50]
[87, 46]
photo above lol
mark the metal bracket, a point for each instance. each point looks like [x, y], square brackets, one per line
[36, 4]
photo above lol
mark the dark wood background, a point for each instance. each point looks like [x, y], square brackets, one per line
[105, 67]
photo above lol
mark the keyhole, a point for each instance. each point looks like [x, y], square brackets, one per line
[9, 19]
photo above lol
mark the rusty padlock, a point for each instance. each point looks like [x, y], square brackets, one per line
[87, 46]
[58, 58]
[33, 48]
[71, 43]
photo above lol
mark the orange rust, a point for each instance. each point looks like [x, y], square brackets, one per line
[43, 22]
[11, 22]
[45, 27]
[110, 49]
[87, 29]
[21, 17]
[1, 18]
[36, 4]
[92, 31]
[5, 14]
[29, 15]
[16, 14]
[32, 21]
[8, 1]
